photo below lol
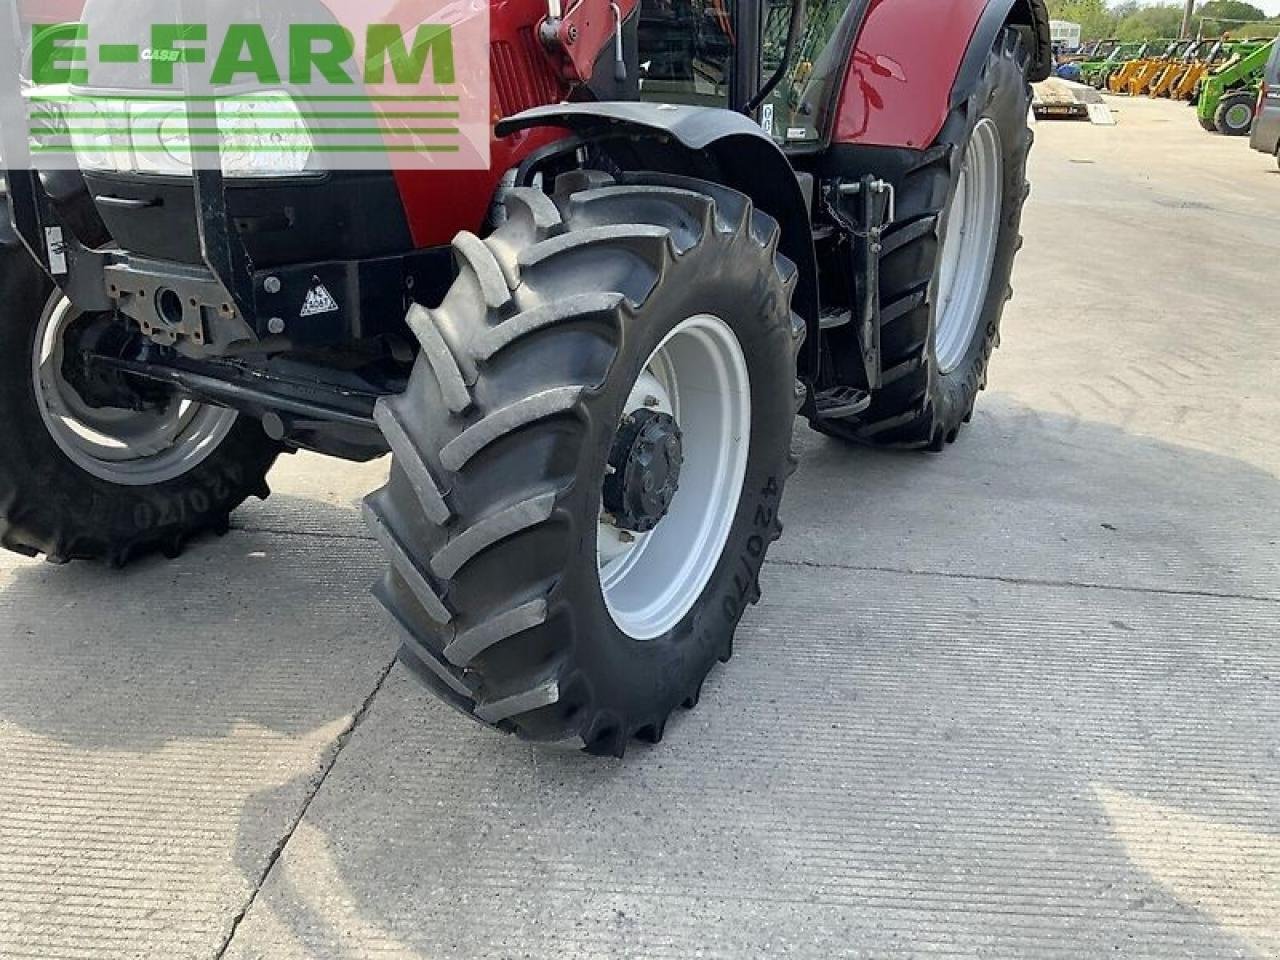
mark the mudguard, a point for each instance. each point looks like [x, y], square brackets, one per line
[903, 80]
[1032, 14]
[709, 143]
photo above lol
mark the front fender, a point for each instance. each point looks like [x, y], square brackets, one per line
[914, 60]
[709, 143]
[1031, 14]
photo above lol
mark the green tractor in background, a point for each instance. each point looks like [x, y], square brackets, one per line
[1228, 97]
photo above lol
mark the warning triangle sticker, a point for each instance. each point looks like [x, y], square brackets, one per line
[319, 300]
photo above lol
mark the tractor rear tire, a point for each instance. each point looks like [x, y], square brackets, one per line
[497, 516]
[52, 505]
[1234, 116]
[931, 380]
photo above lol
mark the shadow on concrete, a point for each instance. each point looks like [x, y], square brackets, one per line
[1033, 496]
[253, 628]
[938, 729]
[951, 739]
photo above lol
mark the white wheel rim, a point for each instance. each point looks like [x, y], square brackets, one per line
[969, 241]
[698, 376]
[1239, 116]
[127, 447]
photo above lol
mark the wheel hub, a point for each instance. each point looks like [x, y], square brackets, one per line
[645, 470]
[674, 477]
[1239, 116]
[99, 334]
[143, 439]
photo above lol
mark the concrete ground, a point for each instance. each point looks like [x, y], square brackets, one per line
[1019, 700]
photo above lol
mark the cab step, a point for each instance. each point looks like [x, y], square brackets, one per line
[840, 403]
[834, 319]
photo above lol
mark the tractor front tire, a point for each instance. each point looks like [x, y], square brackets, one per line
[1234, 116]
[56, 498]
[940, 319]
[552, 577]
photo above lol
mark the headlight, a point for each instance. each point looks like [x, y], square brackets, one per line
[99, 133]
[265, 136]
[260, 136]
[159, 138]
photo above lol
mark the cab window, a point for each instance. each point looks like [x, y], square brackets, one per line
[686, 51]
[794, 114]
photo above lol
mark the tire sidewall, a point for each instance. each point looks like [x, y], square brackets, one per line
[1002, 96]
[60, 509]
[646, 679]
[1224, 111]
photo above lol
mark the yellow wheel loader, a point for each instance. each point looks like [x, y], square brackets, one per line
[1118, 82]
[1172, 74]
[1185, 87]
[1147, 72]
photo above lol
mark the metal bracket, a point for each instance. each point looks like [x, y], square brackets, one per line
[221, 246]
[866, 208]
[870, 186]
[76, 269]
[174, 302]
[574, 36]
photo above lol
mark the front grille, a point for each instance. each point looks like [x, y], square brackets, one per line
[523, 76]
[341, 216]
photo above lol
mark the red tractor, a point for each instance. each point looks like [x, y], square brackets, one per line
[700, 218]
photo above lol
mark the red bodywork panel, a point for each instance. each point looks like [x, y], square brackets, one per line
[521, 75]
[898, 88]
[50, 11]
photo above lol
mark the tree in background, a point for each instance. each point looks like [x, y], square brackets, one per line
[1150, 23]
[1236, 10]
[1132, 20]
[1230, 10]
[1096, 21]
